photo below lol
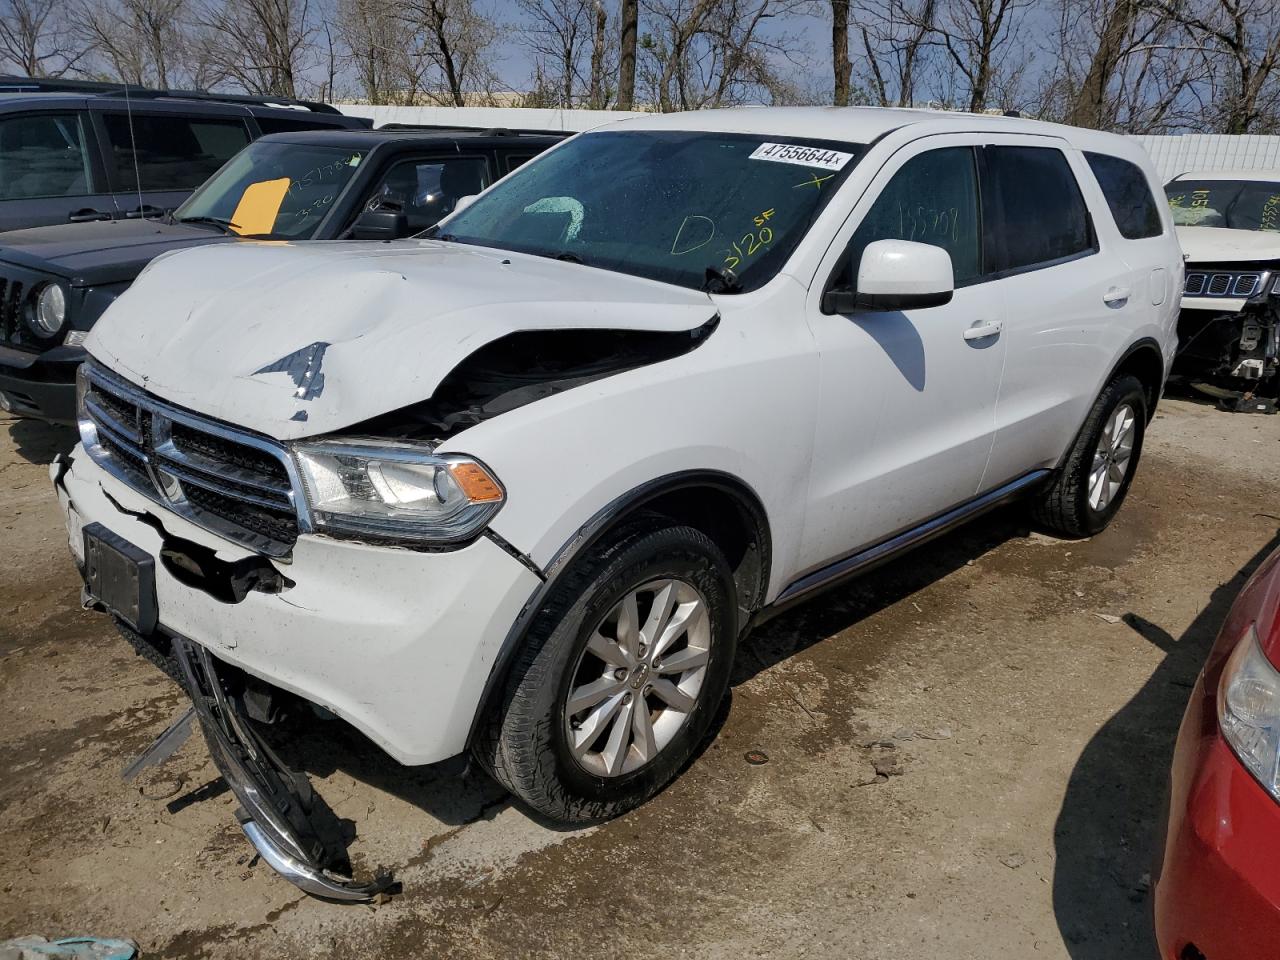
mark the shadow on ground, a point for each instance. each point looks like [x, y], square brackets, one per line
[1108, 831]
[39, 442]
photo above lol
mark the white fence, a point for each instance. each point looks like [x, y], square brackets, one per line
[1172, 155]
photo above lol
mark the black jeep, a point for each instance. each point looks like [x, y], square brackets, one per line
[332, 185]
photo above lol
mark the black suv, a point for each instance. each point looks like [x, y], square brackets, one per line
[333, 185]
[74, 151]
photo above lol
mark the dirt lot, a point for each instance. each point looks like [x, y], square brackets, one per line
[1022, 742]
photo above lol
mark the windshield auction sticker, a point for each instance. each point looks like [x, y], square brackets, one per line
[805, 156]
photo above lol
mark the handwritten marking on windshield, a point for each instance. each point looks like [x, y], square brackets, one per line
[696, 224]
[814, 181]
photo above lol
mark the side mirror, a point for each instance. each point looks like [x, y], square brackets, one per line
[464, 202]
[896, 275]
[380, 225]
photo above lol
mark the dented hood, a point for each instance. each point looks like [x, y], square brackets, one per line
[1224, 245]
[295, 340]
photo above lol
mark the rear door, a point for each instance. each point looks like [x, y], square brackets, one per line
[155, 154]
[1070, 297]
[49, 170]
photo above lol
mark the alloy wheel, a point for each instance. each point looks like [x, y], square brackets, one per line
[637, 682]
[1111, 456]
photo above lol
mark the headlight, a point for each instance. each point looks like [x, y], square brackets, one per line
[389, 491]
[1249, 711]
[51, 310]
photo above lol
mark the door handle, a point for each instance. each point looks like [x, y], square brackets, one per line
[1116, 296]
[983, 329]
[87, 215]
[146, 210]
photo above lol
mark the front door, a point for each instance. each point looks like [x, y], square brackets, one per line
[907, 399]
[49, 172]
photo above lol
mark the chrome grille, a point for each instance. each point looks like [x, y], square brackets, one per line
[1200, 283]
[233, 483]
[10, 308]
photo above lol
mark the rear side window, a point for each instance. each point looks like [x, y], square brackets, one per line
[1042, 215]
[932, 199]
[172, 152]
[43, 156]
[1125, 187]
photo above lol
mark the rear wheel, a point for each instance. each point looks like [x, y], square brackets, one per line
[1095, 476]
[618, 679]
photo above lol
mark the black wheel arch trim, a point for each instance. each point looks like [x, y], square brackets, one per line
[1143, 343]
[590, 533]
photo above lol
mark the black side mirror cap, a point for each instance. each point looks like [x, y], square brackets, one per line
[380, 225]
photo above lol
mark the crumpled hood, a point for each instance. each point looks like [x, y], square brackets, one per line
[295, 340]
[1224, 245]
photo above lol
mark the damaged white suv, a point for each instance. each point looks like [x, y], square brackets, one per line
[522, 486]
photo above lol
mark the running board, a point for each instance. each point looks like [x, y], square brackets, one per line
[885, 550]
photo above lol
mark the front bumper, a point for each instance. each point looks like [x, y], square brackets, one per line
[275, 803]
[41, 389]
[397, 643]
[1218, 891]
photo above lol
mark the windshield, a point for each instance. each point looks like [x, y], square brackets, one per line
[667, 206]
[1237, 204]
[272, 189]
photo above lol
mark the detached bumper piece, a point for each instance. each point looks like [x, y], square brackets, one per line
[275, 802]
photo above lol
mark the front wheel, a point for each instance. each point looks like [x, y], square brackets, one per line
[1095, 476]
[619, 677]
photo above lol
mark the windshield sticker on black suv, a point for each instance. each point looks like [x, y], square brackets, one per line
[805, 156]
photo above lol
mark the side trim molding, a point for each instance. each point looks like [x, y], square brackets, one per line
[885, 550]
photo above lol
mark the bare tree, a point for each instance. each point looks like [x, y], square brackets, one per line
[455, 43]
[1241, 39]
[559, 34]
[138, 41]
[841, 67]
[896, 38]
[598, 94]
[628, 24]
[34, 38]
[711, 53]
[262, 46]
[1119, 65]
[374, 50]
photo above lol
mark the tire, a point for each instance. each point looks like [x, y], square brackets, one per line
[1074, 504]
[528, 740]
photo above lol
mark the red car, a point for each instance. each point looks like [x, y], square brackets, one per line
[1217, 896]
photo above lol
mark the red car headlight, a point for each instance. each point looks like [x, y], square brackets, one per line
[1249, 710]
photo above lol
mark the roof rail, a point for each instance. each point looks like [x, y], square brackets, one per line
[9, 84]
[485, 131]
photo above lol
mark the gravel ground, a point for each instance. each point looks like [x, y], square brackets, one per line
[966, 758]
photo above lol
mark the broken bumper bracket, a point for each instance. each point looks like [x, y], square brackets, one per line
[275, 802]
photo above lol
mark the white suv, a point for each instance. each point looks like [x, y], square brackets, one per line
[522, 486]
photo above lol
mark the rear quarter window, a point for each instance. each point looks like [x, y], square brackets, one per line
[1125, 186]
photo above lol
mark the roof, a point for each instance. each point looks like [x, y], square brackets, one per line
[855, 124]
[1239, 173]
[365, 139]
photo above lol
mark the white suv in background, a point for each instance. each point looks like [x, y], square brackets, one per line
[522, 486]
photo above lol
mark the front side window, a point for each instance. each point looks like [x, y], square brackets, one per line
[427, 190]
[1235, 204]
[1043, 217]
[275, 190]
[669, 206]
[1125, 187]
[932, 199]
[43, 156]
[154, 152]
